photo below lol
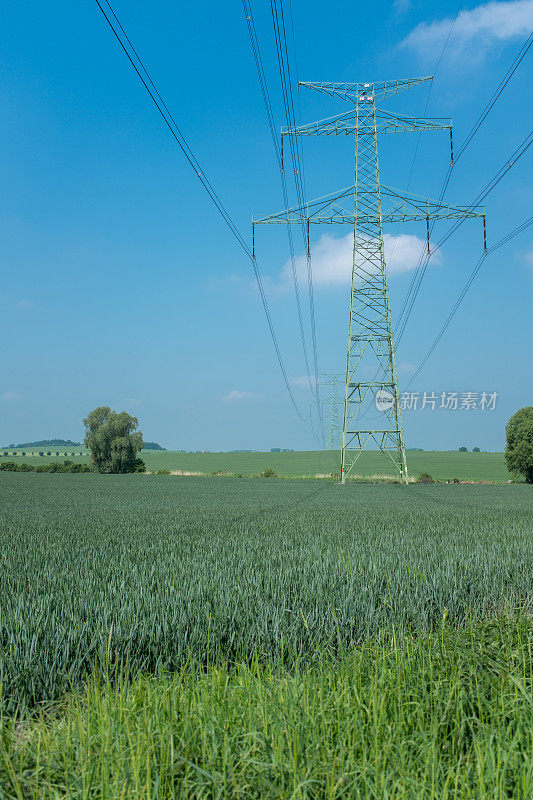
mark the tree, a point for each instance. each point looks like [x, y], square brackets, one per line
[113, 440]
[463, 449]
[519, 443]
[476, 450]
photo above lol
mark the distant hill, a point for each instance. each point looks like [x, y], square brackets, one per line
[46, 443]
[153, 446]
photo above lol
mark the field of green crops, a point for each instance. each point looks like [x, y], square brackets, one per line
[441, 465]
[229, 637]
[157, 570]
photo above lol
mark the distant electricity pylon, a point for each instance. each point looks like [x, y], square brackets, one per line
[334, 402]
[370, 340]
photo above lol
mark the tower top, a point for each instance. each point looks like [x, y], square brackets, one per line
[352, 91]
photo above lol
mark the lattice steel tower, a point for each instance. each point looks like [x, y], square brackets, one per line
[370, 363]
[334, 404]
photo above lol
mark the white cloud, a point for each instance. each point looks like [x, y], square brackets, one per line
[331, 258]
[302, 382]
[10, 396]
[132, 401]
[484, 25]
[529, 258]
[406, 368]
[235, 395]
[24, 305]
[401, 6]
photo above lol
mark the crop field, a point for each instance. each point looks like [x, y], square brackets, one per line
[156, 570]
[230, 637]
[441, 465]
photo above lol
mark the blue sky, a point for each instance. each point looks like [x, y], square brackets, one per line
[122, 286]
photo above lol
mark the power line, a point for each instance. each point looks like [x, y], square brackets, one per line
[431, 84]
[423, 259]
[490, 104]
[284, 68]
[256, 50]
[439, 60]
[421, 266]
[491, 185]
[503, 241]
[511, 235]
[319, 405]
[309, 264]
[280, 35]
[170, 122]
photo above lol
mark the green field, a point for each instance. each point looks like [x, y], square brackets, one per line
[441, 465]
[32, 455]
[161, 570]
[239, 638]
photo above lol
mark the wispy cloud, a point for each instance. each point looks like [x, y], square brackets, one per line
[302, 382]
[484, 25]
[528, 258]
[401, 6]
[406, 368]
[236, 396]
[9, 397]
[331, 258]
[24, 305]
[131, 401]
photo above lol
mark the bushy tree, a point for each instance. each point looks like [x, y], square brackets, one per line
[113, 440]
[463, 449]
[519, 443]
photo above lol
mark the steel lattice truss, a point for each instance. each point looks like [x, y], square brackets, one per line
[334, 402]
[371, 205]
[353, 91]
[401, 207]
[350, 122]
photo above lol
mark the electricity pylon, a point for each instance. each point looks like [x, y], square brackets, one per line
[370, 339]
[334, 432]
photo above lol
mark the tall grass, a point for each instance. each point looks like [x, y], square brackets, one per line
[444, 715]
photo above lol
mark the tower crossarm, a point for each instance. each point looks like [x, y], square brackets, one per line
[325, 210]
[352, 91]
[396, 207]
[350, 123]
[403, 207]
